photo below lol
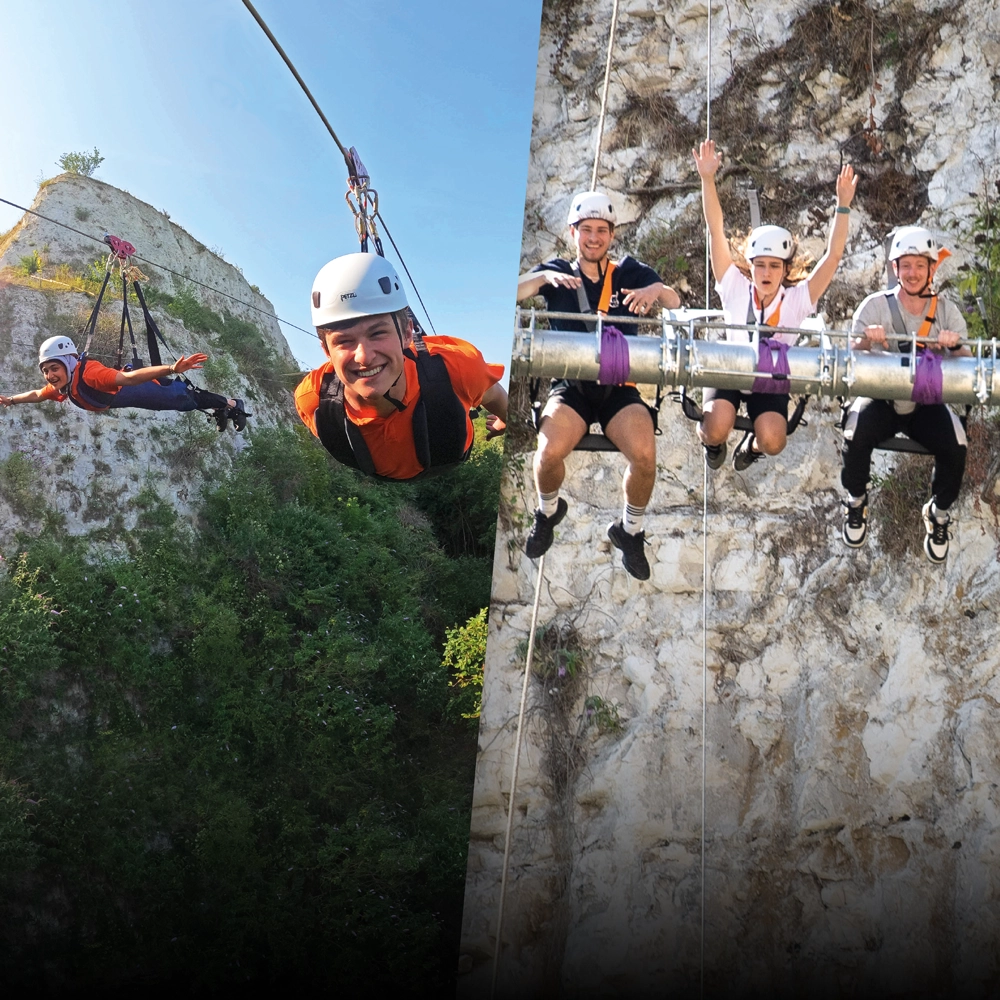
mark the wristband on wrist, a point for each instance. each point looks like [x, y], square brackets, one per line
[843, 210]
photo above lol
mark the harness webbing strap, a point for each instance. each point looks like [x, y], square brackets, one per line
[897, 317]
[439, 420]
[92, 321]
[583, 303]
[752, 320]
[86, 396]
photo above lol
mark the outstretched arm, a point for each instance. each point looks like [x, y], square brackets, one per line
[708, 161]
[31, 396]
[495, 400]
[822, 274]
[141, 375]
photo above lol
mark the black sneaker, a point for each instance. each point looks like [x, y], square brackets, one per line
[938, 533]
[855, 528]
[745, 456]
[221, 416]
[633, 557]
[238, 416]
[540, 537]
[715, 455]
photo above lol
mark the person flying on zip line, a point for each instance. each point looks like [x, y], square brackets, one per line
[590, 284]
[773, 291]
[96, 387]
[911, 307]
[389, 401]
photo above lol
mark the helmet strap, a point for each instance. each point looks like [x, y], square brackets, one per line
[398, 403]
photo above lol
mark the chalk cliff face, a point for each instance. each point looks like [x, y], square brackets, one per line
[851, 782]
[60, 461]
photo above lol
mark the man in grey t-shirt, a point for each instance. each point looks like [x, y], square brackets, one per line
[911, 307]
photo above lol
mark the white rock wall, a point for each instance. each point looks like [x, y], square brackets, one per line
[851, 787]
[88, 468]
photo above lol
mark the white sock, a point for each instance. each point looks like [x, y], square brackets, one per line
[548, 502]
[632, 518]
[857, 501]
[940, 514]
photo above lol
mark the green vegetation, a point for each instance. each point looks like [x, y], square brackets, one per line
[31, 263]
[83, 164]
[465, 655]
[980, 279]
[234, 755]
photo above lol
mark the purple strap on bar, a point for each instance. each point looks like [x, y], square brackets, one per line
[614, 357]
[928, 380]
[767, 363]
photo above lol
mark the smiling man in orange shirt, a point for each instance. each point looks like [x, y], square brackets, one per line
[389, 401]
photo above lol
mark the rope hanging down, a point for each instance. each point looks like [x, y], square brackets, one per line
[513, 774]
[604, 97]
[362, 199]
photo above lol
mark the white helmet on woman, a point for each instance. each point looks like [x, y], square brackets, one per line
[770, 241]
[356, 285]
[591, 205]
[56, 349]
[913, 240]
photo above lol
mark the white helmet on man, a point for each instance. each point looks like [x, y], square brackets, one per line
[356, 285]
[770, 241]
[914, 240]
[56, 349]
[591, 205]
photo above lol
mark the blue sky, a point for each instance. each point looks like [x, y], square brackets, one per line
[196, 114]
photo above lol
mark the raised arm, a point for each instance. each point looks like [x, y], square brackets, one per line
[822, 274]
[708, 161]
[141, 375]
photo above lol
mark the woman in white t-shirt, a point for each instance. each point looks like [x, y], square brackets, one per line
[776, 292]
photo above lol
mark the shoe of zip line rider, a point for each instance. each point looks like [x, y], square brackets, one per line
[386, 403]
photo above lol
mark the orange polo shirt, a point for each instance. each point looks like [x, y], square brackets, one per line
[390, 439]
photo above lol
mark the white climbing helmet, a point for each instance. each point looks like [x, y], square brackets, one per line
[770, 241]
[913, 240]
[56, 349]
[591, 205]
[357, 284]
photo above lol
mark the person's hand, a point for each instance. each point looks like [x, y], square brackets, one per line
[560, 280]
[183, 364]
[641, 300]
[948, 338]
[6, 400]
[876, 335]
[707, 159]
[847, 185]
[494, 426]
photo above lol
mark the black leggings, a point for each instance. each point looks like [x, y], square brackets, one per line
[871, 421]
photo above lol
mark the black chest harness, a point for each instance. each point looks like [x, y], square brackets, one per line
[439, 420]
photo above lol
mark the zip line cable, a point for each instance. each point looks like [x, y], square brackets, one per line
[513, 775]
[348, 158]
[704, 551]
[604, 96]
[162, 267]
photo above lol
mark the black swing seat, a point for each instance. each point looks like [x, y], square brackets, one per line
[694, 412]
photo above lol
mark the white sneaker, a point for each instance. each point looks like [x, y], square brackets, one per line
[938, 533]
[855, 529]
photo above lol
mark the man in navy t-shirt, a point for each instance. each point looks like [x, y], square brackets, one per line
[625, 288]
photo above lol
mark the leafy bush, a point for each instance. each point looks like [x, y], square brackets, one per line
[83, 164]
[233, 748]
[465, 656]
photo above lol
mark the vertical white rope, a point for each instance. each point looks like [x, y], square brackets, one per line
[513, 773]
[704, 548]
[604, 97]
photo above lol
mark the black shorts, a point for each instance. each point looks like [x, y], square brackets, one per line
[595, 403]
[757, 402]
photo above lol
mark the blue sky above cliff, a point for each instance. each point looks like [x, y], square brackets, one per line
[195, 113]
